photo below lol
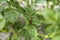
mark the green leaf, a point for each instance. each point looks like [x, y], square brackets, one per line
[56, 38]
[1, 8]
[11, 15]
[39, 1]
[49, 15]
[38, 19]
[55, 2]
[52, 28]
[58, 13]
[31, 33]
[2, 0]
[2, 22]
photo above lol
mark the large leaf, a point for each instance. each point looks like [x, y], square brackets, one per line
[49, 15]
[30, 33]
[1, 9]
[3, 5]
[58, 13]
[38, 19]
[51, 29]
[2, 22]
[56, 38]
[11, 15]
[2, 0]
[56, 2]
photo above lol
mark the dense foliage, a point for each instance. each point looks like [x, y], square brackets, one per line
[25, 22]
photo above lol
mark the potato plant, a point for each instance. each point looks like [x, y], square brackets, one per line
[24, 21]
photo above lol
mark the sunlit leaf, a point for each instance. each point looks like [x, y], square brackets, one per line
[2, 22]
[56, 38]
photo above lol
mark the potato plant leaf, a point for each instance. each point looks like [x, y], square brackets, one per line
[2, 22]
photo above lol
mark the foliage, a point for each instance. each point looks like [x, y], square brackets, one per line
[22, 20]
